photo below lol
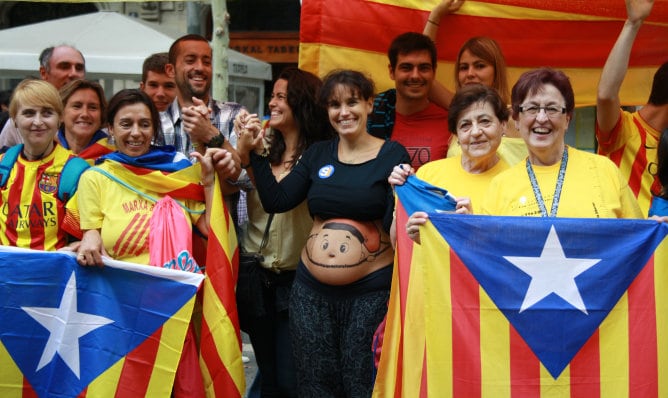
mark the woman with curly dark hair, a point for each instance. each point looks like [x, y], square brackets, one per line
[296, 121]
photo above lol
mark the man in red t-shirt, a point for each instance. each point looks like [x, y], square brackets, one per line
[405, 114]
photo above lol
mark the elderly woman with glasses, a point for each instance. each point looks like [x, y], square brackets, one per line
[555, 180]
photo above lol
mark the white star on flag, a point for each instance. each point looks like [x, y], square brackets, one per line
[65, 325]
[552, 272]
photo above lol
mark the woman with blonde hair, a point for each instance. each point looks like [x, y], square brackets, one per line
[33, 174]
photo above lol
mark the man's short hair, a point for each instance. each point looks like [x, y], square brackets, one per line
[174, 48]
[47, 53]
[410, 42]
[154, 63]
[659, 93]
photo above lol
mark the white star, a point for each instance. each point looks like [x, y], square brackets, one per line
[552, 272]
[65, 325]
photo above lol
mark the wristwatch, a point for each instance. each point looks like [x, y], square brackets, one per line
[216, 142]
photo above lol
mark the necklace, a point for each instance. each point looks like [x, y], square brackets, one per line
[557, 189]
[31, 157]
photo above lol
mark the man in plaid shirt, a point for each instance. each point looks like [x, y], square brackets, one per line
[187, 127]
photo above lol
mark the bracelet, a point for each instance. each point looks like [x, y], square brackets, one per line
[430, 21]
[244, 166]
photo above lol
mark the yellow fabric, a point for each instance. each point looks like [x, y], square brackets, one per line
[122, 215]
[449, 174]
[593, 187]
[626, 138]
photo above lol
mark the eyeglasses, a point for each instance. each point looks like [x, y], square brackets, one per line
[550, 110]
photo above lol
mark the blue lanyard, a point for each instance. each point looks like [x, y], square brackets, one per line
[557, 189]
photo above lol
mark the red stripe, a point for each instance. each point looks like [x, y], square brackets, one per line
[95, 151]
[28, 392]
[466, 367]
[138, 368]
[424, 392]
[643, 360]
[222, 275]
[615, 156]
[404, 256]
[83, 393]
[223, 384]
[37, 236]
[524, 366]
[189, 191]
[567, 45]
[640, 162]
[14, 196]
[121, 238]
[121, 246]
[585, 369]
[137, 236]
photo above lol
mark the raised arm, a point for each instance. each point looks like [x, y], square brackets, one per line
[439, 94]
[442, 9]
[612, 76]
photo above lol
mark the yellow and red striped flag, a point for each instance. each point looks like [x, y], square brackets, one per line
[575, 36]
[220, 345]
[520, 307]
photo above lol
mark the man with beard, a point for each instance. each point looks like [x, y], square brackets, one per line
[405, 114]
[195, 121]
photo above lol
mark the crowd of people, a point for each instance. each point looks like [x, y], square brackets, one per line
[310, 189]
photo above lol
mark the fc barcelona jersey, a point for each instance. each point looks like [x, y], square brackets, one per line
[31, 211]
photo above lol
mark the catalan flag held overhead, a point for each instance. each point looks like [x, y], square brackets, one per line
[538, 307]
[574, 36]
[68, 331]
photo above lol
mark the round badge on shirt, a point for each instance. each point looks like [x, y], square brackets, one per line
[326, 171]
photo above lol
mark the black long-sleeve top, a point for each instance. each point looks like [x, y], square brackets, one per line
[333, 189]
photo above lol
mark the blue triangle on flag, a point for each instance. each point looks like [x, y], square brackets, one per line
[136, 303]
[553, 327]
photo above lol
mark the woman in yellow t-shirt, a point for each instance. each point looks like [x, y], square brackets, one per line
[555, 180]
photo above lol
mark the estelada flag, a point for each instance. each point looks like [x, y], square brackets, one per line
[220, 336]
[68, 331]
[574, 36]
[528, 307]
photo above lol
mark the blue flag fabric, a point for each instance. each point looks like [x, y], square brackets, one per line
[64, 324]
[418, 195]
[554, 279]
[659, 207]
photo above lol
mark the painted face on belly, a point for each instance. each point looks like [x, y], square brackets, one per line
[344, 244]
